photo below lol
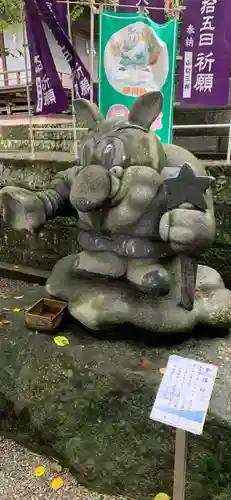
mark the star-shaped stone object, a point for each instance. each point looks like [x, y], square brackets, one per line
[187, 188]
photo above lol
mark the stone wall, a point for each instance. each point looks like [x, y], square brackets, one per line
[59, 237]
[202, 140]
[60, 137]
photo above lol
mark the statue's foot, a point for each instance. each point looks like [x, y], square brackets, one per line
[103, 264]
[156, 280]
[149, 277]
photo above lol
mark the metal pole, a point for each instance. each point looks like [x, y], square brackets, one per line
[92, 39]
[109, 4]
[177, 8]
[72, 86]
[115, 3]
[25, 45]
[180, 466]
[205, 125]
[229, 144]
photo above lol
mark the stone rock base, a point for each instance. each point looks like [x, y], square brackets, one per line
[98, 303]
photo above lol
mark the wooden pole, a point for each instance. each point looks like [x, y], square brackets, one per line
[3, 56]
[180, 466]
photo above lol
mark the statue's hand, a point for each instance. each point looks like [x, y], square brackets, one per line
[187, 230]
[22, 209]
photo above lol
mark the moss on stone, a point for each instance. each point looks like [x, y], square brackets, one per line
[53, 139]
[88, 404]
[219, 257]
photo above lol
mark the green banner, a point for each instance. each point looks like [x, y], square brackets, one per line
[137, 56]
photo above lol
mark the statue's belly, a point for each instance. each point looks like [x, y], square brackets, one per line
[139, 240]
[146, 227]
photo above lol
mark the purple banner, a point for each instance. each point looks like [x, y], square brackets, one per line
[60, 11]
[205, 66]
[81, 74]
[48, 93]
[157, 15]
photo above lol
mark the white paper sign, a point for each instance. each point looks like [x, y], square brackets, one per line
[184, 394]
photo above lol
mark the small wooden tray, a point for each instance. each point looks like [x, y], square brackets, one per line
[45, 315]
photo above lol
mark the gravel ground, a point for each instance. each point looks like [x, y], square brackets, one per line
[17, 464]
[8, 287]
[18, 482]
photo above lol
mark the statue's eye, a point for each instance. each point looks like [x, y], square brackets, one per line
[108, 149]
[112, 152]
[107, 155]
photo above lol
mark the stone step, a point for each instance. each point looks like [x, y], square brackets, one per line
[202, 144]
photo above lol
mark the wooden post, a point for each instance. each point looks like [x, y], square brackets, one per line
[3, 56]
[180, 465]
[18, 75]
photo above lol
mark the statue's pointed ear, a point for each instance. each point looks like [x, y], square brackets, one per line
[87, 112]
[146, 109]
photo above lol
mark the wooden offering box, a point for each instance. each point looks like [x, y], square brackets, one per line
[45, 315]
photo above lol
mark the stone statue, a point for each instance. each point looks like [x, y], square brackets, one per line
[145, 213]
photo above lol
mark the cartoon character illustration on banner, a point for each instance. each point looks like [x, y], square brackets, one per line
[136, 60]
[137, 50]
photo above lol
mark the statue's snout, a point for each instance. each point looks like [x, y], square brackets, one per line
[91, 188]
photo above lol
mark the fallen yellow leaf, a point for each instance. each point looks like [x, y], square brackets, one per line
[57, 483]
[162, 371]
[15, 267]
[162, 496]
[39, 471]
[4, 322]
[4, 297]
[61, 341]
[20, 297]
[17, 310]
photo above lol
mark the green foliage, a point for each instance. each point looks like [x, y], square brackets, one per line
[14, 53]
[76, 12]
[10, 13]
